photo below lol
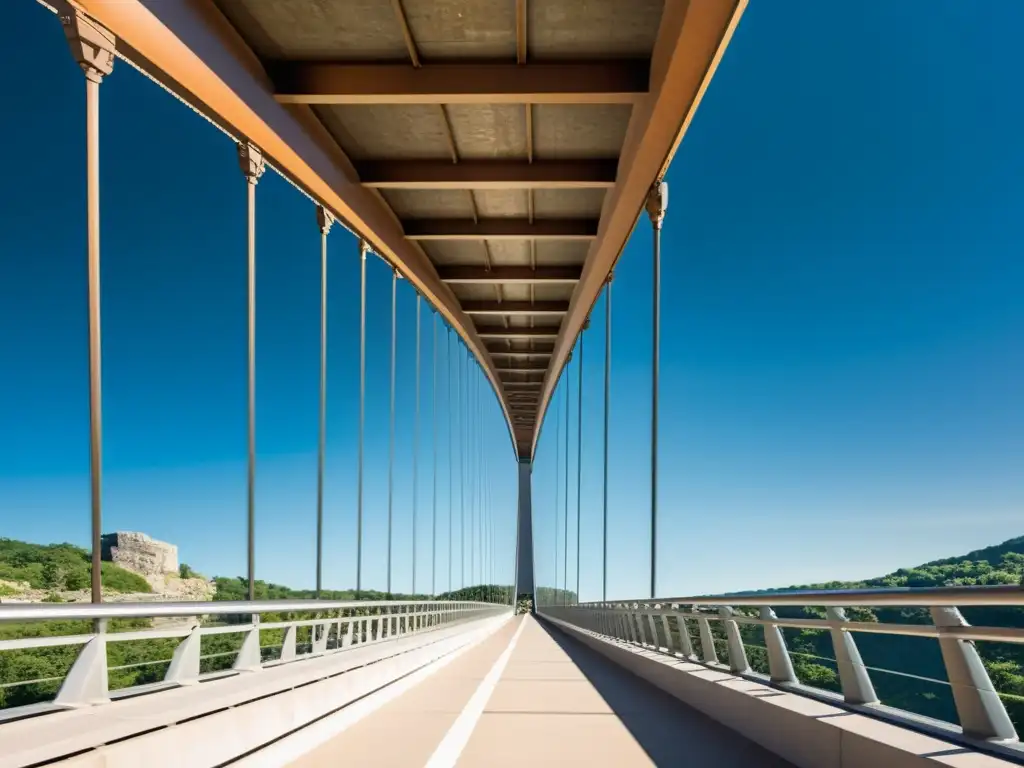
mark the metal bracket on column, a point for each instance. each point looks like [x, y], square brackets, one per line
[250, 160]
[738, 663]
[657, 203]
[86, 681]
[91, 44]
[324, 219]
[185, 662]
[780, 665]
[981, 712]
[853, 675]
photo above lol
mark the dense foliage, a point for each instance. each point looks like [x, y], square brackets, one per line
[812, 652]
[61, 567]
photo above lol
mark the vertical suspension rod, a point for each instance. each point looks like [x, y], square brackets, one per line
[558, 474]
[250, 160]
[324, 221]
[657, 202]
[579, 457]
[93, 48]
[462, 474]
[391, 421]
[451, 454]
[433, 422]
[565, 516]
[416, 448]
[607, 393]
[363, 247]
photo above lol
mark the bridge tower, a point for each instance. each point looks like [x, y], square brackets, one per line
[524, 532]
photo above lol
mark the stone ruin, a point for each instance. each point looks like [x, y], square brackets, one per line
[140, 554]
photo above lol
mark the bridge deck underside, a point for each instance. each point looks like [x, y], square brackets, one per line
[555, 703]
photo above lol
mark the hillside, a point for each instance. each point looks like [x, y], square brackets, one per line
[812, 649]
[58, 568]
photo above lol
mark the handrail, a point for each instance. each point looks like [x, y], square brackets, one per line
[980, 710]
[1003, 594]
[146, 610]
[342, 624]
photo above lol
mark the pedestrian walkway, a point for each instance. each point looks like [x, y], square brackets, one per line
[530, 695]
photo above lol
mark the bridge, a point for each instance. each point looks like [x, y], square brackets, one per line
[496, 155]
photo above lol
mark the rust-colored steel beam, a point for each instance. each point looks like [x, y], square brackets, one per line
[192, 49]
[500, 229]
[691, 41]
[493, 82]
[498, 332]
[511, 308]
[487, 174]
[520, 275]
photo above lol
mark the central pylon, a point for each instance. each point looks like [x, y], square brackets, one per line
[524, 532]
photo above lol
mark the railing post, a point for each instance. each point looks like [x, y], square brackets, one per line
[630, 628]
[185, 662]
[318, 644]
[780, 665]
[686, 645]
[640, 627]
[669, 645]
[708, 652]
[345, 640]
[249, 658]
[981, 712]
[738, 663]
[853, 676]
[86, 681]
[288, 644]
[654, 630]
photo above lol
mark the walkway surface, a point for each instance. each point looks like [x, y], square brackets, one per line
[530, 695]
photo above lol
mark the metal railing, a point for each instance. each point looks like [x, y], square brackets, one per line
[333, 627]
[980, 710]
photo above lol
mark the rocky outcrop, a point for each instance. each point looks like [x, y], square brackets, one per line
[140, 554]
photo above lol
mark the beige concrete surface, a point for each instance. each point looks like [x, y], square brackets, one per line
[405, 732]
[556, 703]
[559, 703]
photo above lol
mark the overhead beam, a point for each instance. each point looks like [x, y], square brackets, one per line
[487, 174]
[503, 352]
[520, 275]
[514, 308]
[522, 368]
[500, 229]
[562, 82]
[499, 332]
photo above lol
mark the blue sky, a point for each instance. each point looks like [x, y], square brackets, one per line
[841, 356]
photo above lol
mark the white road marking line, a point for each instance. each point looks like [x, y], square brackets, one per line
[451, 746]
[305, 740]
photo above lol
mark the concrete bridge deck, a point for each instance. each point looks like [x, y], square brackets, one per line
[530, 695]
